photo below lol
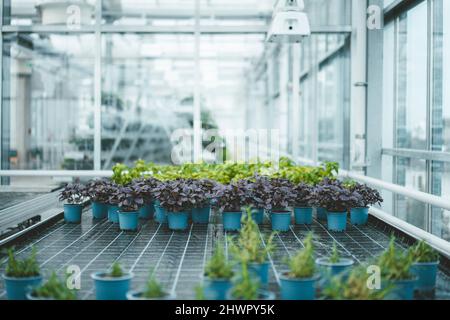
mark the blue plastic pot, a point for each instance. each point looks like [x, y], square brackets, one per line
[329, 270]
[178, 220]
[297, 289]
[113, 213]
[216, 289]
[260, 271]
[258, 215]
[359, 216]
[337, 221]
[99, 210]
[281, 221]
[201, 215]
[232, 221]
[426, 273]
[262, 295]
[108, 288]
[160, 214]
[128, 221]
[17, 288]
[72, 213]
[303, 215]
[138, 295]
[146, 212]
[321, 214]
[401, 289]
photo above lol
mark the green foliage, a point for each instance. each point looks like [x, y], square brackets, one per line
[395, 264]
[27, 267]
[54, 289]
[218, 267]
[250, 247]
[422, 252]
[354, 288]
[335, 256]
[116, 271]
[245, 287]
[302, 265]
[153, 289]
[200, 293]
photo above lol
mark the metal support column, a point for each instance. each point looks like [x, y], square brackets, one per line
[197, 89]
[98, 87]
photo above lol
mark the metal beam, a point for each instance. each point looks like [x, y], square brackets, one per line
[418, 154]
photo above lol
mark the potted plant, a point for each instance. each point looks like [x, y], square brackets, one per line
[145, 188]
[246, 287]
[303, 198]
[256, 191]
[334, 264]
[359, 215]
[129, 203]
[113, 284]
[202, 193]
[74, 195]
[395, 268]
[113, 202]
[280, 195]
[176, 198]
[354, 287]
[160, 213]
[218, 275]
[21, 275]
[152, 291]
[300, 282]
[98, 192]
[332, 195]
[251, 249]
[52, 289]
[425, 266]
[229, 200]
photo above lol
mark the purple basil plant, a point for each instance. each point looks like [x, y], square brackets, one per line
[145, 187]
[281, 194]
[176, 195]
[230, 198]
[303, 196]
[335, 197]
[368, 195]
[98, 190]
[130, 200]
[73, 194]
[202, 192]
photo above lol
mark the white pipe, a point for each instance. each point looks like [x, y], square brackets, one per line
[56, 173]
[437, 243]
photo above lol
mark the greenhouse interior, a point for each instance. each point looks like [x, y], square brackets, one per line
[225, 150]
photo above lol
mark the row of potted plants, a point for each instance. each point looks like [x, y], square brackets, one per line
[245, 275]
[175, 201]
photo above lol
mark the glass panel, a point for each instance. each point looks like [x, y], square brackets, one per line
[48, 99]
[411, 173]
[388, 86]
[440, 186]
[147, 92]
[49, 12]
[328, 12]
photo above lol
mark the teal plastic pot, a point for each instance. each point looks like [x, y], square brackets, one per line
[260, 271]
[281, 220]
[258, 215]
[426, 273]
[108, 288]
[401, 289]
[359, 216]
[303, 215]
[337, 221]
[99, 210]
[18, 288]
[128, 221]
[321, 214]
[138, 295]
[297, 289]
[146, 212]
[113, 213]
[232, 220]
[201, 215]
[329, 269]
[160, 214]
[216, 289]
[72, 213]
[178, 220]
[262, 295]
